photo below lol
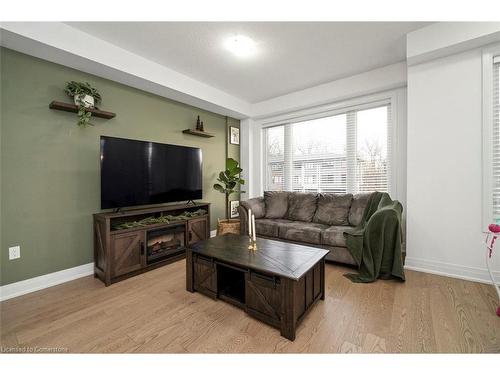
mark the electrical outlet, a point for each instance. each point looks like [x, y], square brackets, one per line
[14, 252]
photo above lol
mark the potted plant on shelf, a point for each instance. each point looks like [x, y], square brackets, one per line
[230, 181]
[85, 97]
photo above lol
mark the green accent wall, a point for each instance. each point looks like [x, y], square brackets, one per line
[50, 182]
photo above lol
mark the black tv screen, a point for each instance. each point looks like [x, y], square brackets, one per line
[141, 173]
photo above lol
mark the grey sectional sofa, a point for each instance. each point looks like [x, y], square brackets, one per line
[307, 218]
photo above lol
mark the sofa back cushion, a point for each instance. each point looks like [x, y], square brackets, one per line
[333, 209]
[359, 203]
[301, 206]
[257, 206]
[276, 204]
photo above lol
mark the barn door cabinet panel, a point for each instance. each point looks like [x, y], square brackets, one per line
[205, 275]
[127, 253]
[198, 230]
[263, 297]
[130, 250]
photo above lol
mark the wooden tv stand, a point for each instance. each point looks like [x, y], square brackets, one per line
[122, 253]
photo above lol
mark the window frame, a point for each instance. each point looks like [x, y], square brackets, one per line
[396, 98]
[488, 55]
[265, 160]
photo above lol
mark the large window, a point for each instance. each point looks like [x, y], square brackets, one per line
[496, 138]
[347, 152]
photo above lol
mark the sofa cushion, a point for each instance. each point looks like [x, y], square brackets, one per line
[256, 205]
[276, 204]
[334, 236]
[301, 206]
[269, 227]
[302, 232]
[359, 203]
[333, 209]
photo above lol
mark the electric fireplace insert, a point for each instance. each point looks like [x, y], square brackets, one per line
[165, 242]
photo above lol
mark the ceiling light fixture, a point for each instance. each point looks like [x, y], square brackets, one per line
[240, 45]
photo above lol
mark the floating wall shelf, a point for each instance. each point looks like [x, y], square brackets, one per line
[198, 133]
[68, 107]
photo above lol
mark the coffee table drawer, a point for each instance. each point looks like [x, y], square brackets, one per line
[263, 297]
[205, 275]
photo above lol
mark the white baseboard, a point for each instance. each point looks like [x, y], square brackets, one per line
[41, 282]
[451, 270]
[45, 281]
[434, 267]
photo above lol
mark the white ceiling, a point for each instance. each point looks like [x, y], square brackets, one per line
[290, 56]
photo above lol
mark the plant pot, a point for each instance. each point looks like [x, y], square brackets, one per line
[228, 226]
[86, 100]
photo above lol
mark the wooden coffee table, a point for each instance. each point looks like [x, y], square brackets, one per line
[278, 283]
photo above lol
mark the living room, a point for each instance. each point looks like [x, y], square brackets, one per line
[256, 186]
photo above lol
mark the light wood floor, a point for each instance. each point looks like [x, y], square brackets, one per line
[154, 313]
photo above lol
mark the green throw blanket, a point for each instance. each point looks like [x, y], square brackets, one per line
[375, 244]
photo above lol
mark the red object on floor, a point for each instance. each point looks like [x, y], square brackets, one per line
[491, 236]
[495, 228]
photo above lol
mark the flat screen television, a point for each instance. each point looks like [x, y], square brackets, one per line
[142, 173]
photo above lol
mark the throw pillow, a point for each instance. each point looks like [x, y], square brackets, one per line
[333, 209]
[359, 203]
[301, 206]
[276, 204]
[256, 205]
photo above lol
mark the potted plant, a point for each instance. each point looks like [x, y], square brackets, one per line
[229, 183]
[85, 97]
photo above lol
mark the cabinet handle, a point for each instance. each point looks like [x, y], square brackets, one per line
[142, 248]
[190, 235]
[202, 260]
[271, 279]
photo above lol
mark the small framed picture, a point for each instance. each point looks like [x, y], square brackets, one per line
[234, 208]
[234, 135]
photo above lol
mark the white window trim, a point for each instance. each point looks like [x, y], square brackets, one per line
[487, 126]
[324, 112]
[397, 99]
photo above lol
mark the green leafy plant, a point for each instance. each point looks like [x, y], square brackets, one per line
[230, 181]
[78, 90]
[83, 116]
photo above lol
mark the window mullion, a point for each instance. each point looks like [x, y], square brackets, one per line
[351, 152]
[288, 158]
[265, 161]
[390, 171]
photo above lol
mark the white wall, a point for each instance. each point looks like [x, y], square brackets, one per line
[382, 79]
[444, 168]
[245, 152]
[446, 38]
[250, 157]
